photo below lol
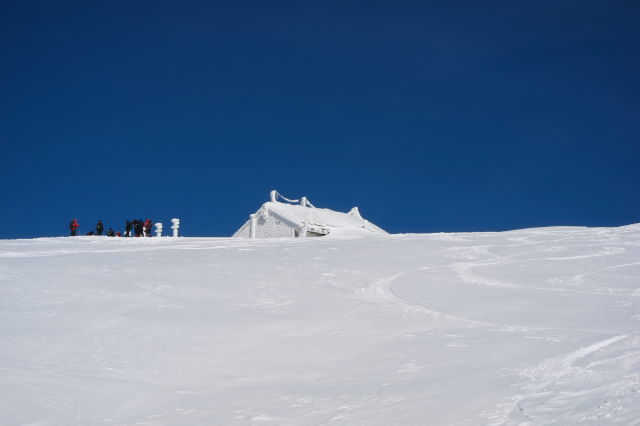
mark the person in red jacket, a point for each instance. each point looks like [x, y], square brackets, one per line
[74, 227]
[147, 227]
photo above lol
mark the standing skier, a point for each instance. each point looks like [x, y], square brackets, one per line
[99, 228]
[74, 227]
[127, 229]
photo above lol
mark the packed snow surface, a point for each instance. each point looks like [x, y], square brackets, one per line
[537, 326]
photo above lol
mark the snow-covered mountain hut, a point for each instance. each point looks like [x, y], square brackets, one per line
[300, 219]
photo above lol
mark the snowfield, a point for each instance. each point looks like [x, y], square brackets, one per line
[536, 326]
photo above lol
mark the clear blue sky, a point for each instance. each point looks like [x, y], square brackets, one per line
[430, 116]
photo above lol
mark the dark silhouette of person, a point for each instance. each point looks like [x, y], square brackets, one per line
[99, 228]
[74, 227]
[127, 229]
[110, 233]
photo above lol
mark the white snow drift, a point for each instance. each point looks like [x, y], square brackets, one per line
[536, 326]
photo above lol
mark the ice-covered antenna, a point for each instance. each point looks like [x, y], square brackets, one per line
[303, 201]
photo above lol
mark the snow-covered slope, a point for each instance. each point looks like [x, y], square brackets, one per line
[538, 326]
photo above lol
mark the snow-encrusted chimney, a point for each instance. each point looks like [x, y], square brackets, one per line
[175, 226]
[304, 201]
[253, 225]
[273, 195]
[158, 229]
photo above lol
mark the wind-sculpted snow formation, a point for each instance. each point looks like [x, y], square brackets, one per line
[538, 326]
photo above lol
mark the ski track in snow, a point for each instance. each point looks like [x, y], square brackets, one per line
[382, 290]
[523, 327]
[538, 401]
[546, 399]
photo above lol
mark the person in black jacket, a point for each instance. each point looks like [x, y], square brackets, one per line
[127, 229]
[110, 233]
[99, 228]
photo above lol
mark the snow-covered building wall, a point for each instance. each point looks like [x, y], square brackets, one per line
[277, 219]
[266, 227]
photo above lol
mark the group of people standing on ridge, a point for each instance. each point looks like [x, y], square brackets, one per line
[133, 228]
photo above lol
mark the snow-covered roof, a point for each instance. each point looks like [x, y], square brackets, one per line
[303, 219]
[323, 221]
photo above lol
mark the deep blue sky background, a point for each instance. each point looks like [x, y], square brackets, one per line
[430, 116]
